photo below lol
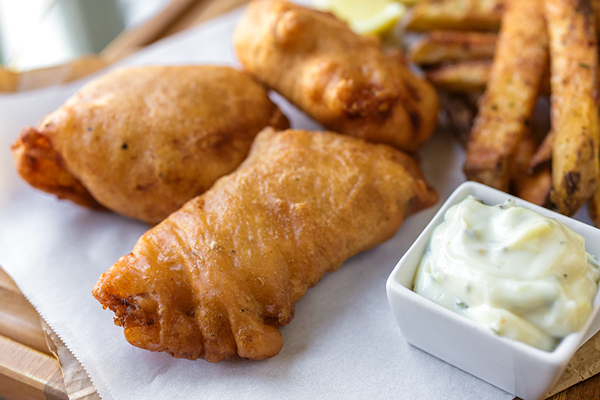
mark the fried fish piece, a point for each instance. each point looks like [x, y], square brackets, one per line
[218, 277]
[142, 141]
[343, 80]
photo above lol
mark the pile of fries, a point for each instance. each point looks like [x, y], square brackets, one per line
[494, 62]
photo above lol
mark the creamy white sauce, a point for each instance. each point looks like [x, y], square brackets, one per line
[525, 276]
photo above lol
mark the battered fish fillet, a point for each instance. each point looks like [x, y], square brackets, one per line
[143, 141]
[344, 81]
[218, 277]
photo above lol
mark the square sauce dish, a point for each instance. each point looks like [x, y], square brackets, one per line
[518, 368]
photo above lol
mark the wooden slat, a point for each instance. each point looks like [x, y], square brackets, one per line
[588, 389]
[26, 373]
[18, 319]
[124, 44]
[176, 17]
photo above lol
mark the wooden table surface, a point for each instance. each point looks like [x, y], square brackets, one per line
[28, 369]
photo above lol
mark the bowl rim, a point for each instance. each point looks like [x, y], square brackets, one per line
[567, 347]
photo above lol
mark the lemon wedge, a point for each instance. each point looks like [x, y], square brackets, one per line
[365, 17]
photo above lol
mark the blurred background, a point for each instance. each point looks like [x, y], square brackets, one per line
[50, 42]
[42, 33]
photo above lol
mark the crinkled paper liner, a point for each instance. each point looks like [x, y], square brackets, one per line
[79, 386]
[584, 365]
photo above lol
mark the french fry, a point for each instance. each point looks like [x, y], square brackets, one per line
[543, 155]
[466, 15]
[596, 11]
[535, 188]
[593, 204]
[574, 102]
[445, 46]
[440, 46]
[466, 76]
[594, 207]
[507, 105]
[471, 76]
[530, 186]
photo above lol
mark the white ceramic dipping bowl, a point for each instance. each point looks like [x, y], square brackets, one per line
[515, 367]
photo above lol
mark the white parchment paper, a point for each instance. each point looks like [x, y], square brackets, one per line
[342, 343]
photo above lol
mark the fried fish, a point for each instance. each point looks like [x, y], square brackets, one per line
[219, 276]
[142, 141]
[343, 80]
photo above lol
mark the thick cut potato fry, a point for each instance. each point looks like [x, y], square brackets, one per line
[443, 46]
[531, 186]
[574, 102]
[534, 188]
[471, 76]
[463, 15]
[543, 154]
[594, 207]
[465, 76]
[440, 46]
[507, 105]
[594, 202]
[596, 11]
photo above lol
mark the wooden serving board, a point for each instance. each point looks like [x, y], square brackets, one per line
[27, 368]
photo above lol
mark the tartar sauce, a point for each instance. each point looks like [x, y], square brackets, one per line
[525, 276]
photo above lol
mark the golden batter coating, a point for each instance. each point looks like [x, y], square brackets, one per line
[343, 80]
[218, 277]
[143, 141]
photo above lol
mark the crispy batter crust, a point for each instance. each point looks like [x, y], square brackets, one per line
[218, 277]
[142, 141]
[43, 167]
[344, 81]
